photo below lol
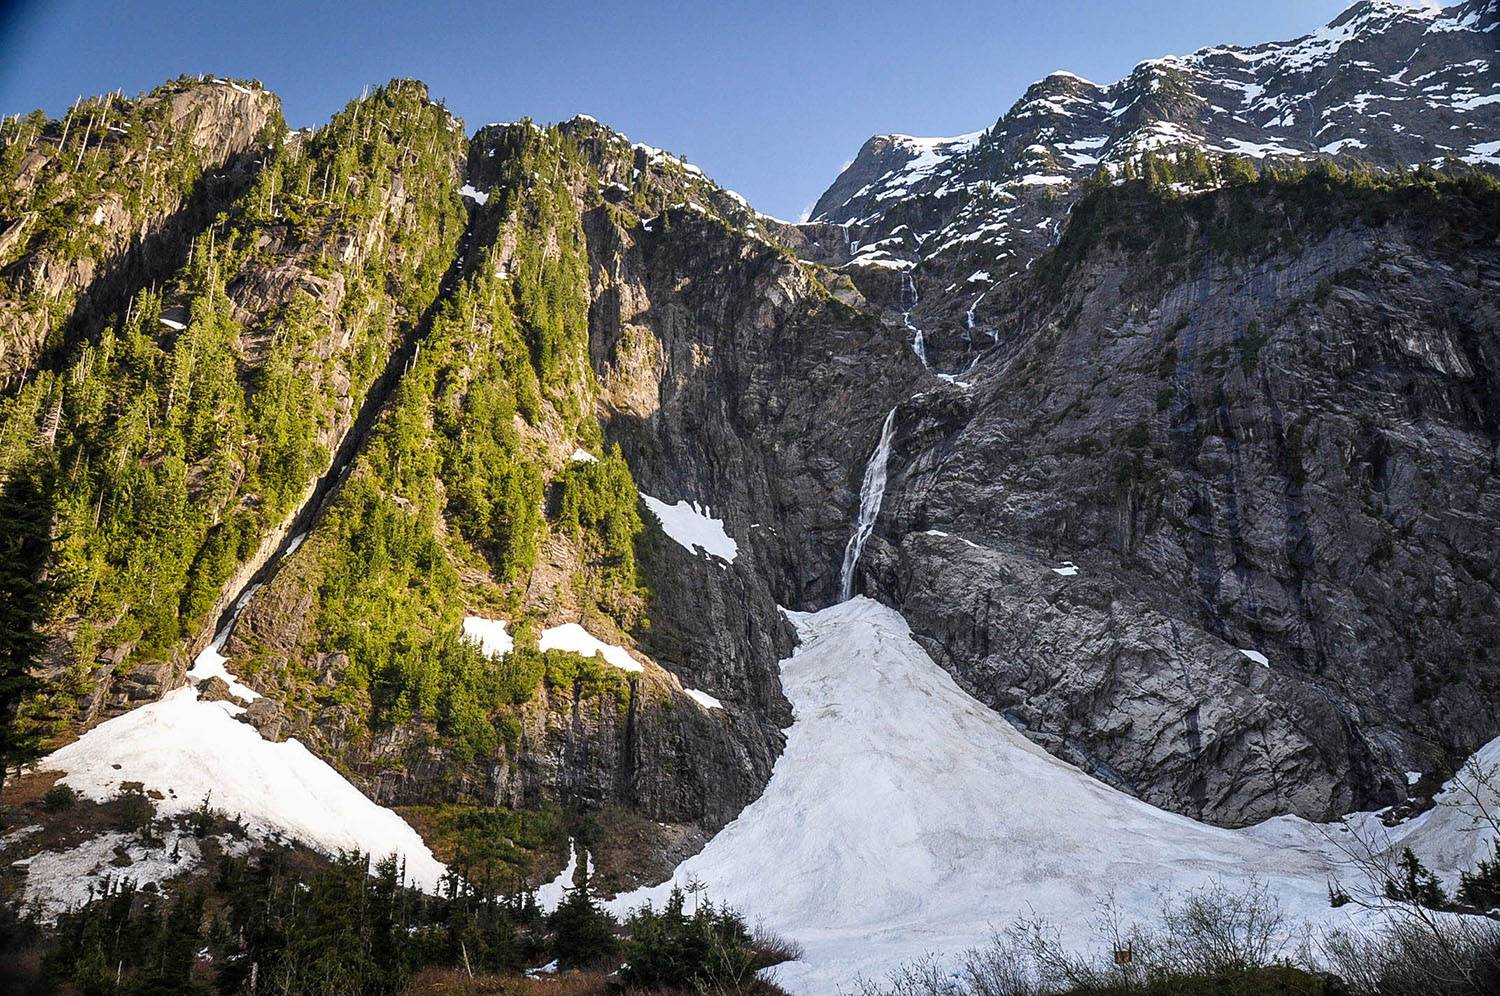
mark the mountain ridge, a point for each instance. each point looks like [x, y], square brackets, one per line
[990, 201]
[1190, 478]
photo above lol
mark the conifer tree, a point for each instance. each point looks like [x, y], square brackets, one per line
[25, 595]
[1415, 884]
[583, 933]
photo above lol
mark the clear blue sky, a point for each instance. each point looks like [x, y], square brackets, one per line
[770, 98]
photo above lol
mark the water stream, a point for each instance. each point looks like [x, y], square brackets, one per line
[871, 495]
[918, 343]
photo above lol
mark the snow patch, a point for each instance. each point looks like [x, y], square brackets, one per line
[548, 896]
[1487, 151]
[58, 881]
[692, 527]
[575, 639]
[494, 639]
[704, 699]
[210, 661]
[477, 196]
[190, 750]
[490, 634]
[1256, 656]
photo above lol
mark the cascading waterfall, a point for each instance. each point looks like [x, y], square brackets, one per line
[969, 319]
[918, 343]
[871, 496]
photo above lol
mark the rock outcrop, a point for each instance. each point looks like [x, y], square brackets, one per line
[108, 199]
[1273, 466]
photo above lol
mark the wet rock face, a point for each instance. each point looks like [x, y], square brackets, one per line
[730, 378]
[1292, 453]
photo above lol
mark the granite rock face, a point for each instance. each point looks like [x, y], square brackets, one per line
[1287, 452]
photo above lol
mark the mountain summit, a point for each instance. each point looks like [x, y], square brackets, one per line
[1384, 82]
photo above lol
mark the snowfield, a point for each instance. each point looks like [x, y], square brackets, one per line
[690, 525]
[906, 818]
[188, 750]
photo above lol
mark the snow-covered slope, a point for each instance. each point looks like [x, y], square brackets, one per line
[905, 818]
[1387, 82]
[189, 750]
[184, 750]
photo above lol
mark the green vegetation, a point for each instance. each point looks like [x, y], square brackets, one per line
[598, 505]
[1480, 889]
[168, 452]
[281, 921]
[1161, 209]
[447, 502]
[710, 950]
[583, 933]
[494, 847]
[84, 155]
[25, 601]
[1413, 883]
[1249, 345]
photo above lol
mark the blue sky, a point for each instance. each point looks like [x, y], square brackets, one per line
[770, 98]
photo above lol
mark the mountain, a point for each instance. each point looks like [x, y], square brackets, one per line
[523, 493]
[1384, 82]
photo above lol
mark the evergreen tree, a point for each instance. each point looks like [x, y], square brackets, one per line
[1415, 884]
[1236, 170]
[1480, 889]
[25, 596]
[583, 933]
[709, 951]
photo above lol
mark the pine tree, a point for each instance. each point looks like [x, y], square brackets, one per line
[25, 596]
[1415, 884]
[1480, 889]
[583, 934]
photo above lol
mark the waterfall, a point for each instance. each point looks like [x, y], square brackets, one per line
[918, 343]
[969, 319]
[871, 495]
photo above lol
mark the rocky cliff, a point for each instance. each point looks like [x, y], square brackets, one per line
[1185, 465]
[107, 199]
[1272, 460]
[1384, 82]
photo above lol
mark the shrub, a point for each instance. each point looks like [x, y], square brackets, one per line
[709, 951]
[1210, 941]
[136, 810]
[59, 798]
[1418, 956]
